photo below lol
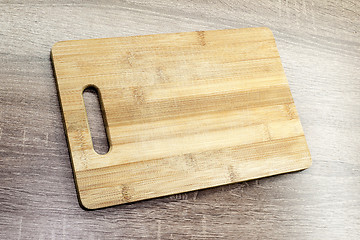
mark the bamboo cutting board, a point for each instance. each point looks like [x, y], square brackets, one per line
[182, 112]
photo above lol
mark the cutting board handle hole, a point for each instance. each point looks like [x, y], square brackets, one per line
[96, 119]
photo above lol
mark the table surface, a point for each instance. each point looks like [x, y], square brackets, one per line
[319, 44]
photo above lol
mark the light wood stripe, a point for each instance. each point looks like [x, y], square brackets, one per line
[150, 179]
[184, 144]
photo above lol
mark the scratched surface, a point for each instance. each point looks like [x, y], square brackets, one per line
[319, 43]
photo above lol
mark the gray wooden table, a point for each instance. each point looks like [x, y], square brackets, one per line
[319, 44]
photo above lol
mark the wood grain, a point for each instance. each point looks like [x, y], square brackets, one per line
[318, 42]
[182, 111]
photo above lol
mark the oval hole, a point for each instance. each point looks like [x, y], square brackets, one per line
[96, 120]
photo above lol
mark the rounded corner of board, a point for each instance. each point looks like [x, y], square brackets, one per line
[55, 47]
[267, 30]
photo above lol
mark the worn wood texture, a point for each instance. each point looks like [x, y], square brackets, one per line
[319, 45]
[183, 111]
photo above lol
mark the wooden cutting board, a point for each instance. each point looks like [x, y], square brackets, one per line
[182, 111]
